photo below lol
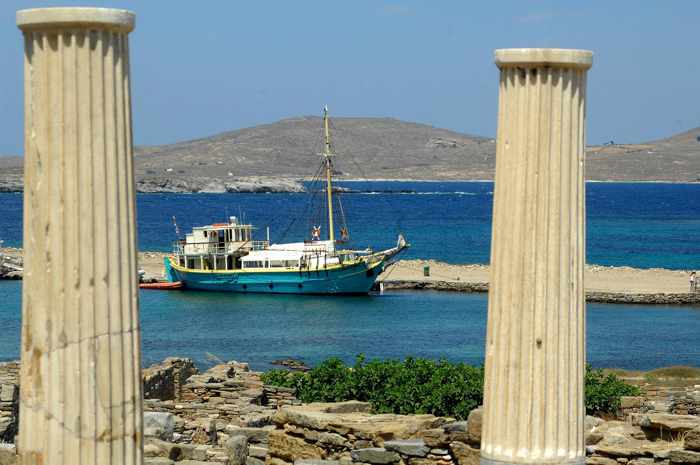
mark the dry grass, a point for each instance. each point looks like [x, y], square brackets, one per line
[675, 372]
[666, 376]
[676, 440]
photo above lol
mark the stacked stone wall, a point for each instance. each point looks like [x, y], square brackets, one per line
[657, 398]
[276, 396]
[9, 400]
[347, 432]
[165, 380]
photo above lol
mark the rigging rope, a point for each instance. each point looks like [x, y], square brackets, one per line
[309, 204]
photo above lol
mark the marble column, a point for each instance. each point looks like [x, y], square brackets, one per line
[535, 344]
[80, 395]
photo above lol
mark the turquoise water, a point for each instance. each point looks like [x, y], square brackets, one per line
[641, 225]
[262, 328]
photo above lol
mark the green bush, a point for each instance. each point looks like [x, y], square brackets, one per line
[603, 392]
[390, 386]
[279, 377]
[422, 386]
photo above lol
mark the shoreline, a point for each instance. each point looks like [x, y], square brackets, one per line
[604, 284]
[291, 185]
[591, 296]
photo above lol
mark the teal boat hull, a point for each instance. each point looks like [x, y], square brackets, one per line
[357, 278]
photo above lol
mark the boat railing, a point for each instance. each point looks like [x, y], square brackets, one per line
[217, 248]
[259, 245]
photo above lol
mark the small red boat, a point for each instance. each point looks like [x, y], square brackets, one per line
[164, 286]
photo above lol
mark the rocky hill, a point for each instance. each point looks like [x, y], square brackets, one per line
[10, 174]
[674, 159]
[366, 148]
[273, 157]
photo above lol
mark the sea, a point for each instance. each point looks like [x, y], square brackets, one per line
[643, 225]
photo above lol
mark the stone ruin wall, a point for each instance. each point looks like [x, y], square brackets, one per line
[165, 380]
[9, 400]
[347, 432]
[657, 398]
[226, 415]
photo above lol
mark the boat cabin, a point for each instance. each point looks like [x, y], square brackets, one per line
[218, 246]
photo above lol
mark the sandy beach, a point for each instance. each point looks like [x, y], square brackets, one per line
[597, 278]
[603, 283]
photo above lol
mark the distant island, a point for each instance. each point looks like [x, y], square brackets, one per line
[276, 157]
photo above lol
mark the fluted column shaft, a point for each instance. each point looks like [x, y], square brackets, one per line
[535, 347]
[80, 398]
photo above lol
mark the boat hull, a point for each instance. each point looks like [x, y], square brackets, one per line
[357, 278]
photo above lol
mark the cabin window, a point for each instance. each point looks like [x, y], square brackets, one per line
[254, 264]
[282, 263]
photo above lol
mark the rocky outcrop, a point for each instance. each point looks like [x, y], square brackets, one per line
[12, 178]
[253, 184]
[10, 264]
[10, 182]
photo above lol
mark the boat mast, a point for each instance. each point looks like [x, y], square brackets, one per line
[329, 169]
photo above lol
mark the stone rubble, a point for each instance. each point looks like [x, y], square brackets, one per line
[226, 415]
[347, 432]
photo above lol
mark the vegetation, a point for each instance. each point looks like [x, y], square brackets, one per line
[603, 392]
[422, 386]
[391, 386]
[674, 372]
[673, 376]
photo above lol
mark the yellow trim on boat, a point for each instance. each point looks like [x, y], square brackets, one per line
[370, 265]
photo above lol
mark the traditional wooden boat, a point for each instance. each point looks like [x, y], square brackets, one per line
[224, 256]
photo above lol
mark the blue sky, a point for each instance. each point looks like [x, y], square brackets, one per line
[199, 68]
